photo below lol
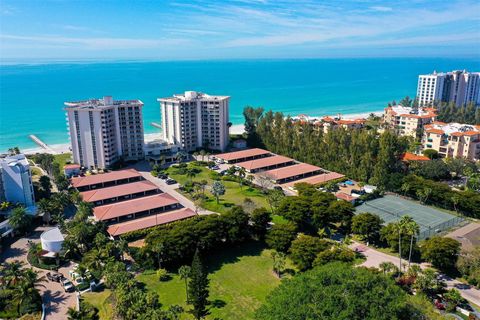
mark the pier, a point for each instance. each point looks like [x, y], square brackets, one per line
[42, 144]
[156, 125]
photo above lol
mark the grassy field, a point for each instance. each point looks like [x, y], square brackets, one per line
[102, 302]
[240, 280]
[234, 194]
[62, 159]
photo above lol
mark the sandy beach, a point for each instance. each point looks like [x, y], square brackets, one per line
[234, 129]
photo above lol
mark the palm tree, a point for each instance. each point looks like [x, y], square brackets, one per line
[157, 247]
[413, 229]
[12, 273]
[180, 156]
[279, 262]
[385, 267]
[241, 173]
[455, 201]
[122, 246]
[405, 188]
[184, 273]
[202, 154]
[195, 155]
[399, 227]
[191, 173]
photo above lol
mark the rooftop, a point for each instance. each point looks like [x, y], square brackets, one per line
[104, 177]
[229, 156]
[455, 129]
[105, 102]
[264, 162]
[400, 110]
[291, 171]
[407, 156]
[191, 95]
[15, 159]
[124, 208]
[321, 178]
[118, 191]
[150, 221]
[71, 166]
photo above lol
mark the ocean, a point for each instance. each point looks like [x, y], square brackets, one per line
[32, 95]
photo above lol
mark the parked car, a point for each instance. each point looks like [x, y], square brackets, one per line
[223, 172]
[220, 161]
[163, 176]
[214, 168]
[171, 181]
[68, 285]
[278, 188]
[57, 277]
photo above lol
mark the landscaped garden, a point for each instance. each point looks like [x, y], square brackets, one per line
[240, 279]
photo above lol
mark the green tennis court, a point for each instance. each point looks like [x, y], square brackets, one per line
[391, 208]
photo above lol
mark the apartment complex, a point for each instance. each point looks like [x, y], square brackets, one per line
[103, 131]
[126, 202]
[195, 120]
[453, 140]
[460, 87]
[407, 121]
[329, 123]
[16, 181]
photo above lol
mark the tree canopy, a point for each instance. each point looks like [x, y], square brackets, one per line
[336, 291]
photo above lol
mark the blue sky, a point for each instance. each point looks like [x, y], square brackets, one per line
[166, 30]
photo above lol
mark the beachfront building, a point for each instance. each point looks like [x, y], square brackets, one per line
[195, 120]
[328, 123]
[407, 121]
[104, 131]
[16, 181]
[459, 87]
[160, 152]
[453, 140]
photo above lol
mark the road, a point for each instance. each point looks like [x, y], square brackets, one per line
[56, 300]
[374, 258]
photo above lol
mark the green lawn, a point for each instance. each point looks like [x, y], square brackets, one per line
[240, 280]
[234, 195]
[101, 300]
[62, 159]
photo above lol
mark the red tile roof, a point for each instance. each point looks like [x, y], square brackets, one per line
[150, 221]
[291, 171]
[264, 162]
[104, 177]
[413, 157]
[71, 166]
[433, 130]
[229, 156]
[117, 191]
[124, 208]
[344, 196]
[321, 178]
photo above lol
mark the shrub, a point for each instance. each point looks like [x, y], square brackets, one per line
[162, 274]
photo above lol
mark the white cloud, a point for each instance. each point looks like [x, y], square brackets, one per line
[381, 8]
[95, 43]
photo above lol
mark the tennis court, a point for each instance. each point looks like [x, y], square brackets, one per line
[391, 208]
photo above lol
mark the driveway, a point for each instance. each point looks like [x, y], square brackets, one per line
[144, 169]
[56, 300]
[468, 236]
[374, 258]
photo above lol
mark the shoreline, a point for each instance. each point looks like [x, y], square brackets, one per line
[234, 129]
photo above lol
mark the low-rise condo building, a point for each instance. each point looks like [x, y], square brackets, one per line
[407, 121]
[126, 202]
[104, 131]
[460, 87]
[453, 140]
[195, 120]
[16, 181]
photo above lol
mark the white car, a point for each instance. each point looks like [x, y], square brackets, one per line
[67, 285]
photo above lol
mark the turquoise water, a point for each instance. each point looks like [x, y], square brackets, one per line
[32, 96]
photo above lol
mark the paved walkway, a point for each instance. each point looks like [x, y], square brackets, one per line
[374, 258]
[57, 301]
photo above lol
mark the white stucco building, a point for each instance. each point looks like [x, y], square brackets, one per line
[16, 181]
[103, 131]
[195, 120]
[460, 87]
